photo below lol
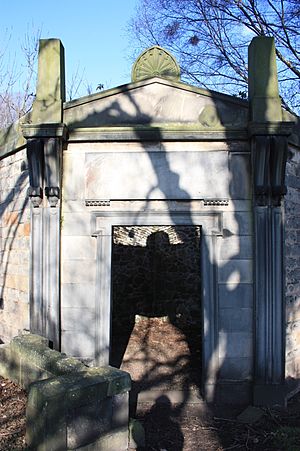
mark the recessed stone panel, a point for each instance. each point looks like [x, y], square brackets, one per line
[156, 175]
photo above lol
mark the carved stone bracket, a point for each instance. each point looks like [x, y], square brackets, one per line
[52, 194]
[44, 146]
[269, 161]
[52, 170]
[35, 155]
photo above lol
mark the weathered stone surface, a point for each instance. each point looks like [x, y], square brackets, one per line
[155, 102]
[73, 271]
[79, 248]
[234, 247]
[79, 344]
[50, 93]
[238, 368]
[14, 233]
[292, 262]
[250, 415]
[236, 319]
[153, 62]
[263, 81]
[72, 411]
[69, 405]
[235, 271]
[166, 175]
[234, 296]
[235, 344]
[78, 295]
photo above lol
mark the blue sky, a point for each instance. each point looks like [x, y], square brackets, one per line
[92, 32]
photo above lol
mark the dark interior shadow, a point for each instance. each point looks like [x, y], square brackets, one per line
[156, 322]
[163, 432]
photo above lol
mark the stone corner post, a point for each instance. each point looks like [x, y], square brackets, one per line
[269, 141]
[45, 134]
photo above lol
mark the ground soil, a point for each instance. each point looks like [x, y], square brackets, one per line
[12, 416]
[218, 429]
[168, 429]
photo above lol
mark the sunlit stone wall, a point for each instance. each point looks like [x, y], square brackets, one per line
[15, 241]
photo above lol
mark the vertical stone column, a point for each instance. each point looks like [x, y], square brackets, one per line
[44, 151]
[35, 156]
[269, 152]
[45, 134]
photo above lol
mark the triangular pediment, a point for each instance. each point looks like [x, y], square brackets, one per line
[156, 101]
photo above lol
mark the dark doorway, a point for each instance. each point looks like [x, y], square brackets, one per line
[156, 319]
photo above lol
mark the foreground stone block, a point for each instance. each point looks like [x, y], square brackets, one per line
[72, 411]
[70, 406]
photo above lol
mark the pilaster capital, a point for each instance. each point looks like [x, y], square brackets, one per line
[270, 128]
[51, 130]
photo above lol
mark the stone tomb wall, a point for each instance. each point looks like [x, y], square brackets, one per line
[292, 262]
[142, 176]
[15, 243]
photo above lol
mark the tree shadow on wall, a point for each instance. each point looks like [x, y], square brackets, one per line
[14, 226]
[229, 282]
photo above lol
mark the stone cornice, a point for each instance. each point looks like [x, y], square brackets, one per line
[51, 130]
[270, 128]
[152, 133]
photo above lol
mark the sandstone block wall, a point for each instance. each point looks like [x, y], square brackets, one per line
[292, 260]
[14, 245]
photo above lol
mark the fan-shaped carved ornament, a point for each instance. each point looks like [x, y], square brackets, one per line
[155, 62]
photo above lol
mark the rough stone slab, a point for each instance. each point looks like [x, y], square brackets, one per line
[87, 423]
[75, 410]
[250, 415]
[27, 359]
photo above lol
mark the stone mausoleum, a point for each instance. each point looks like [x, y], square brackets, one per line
[155, 227]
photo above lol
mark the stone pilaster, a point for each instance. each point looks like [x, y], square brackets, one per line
[269, 154]
[44, 151]
[268, 136]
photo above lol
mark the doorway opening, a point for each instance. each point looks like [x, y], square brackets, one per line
[156, 306]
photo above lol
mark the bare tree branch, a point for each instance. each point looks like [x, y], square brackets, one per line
[210, 39]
